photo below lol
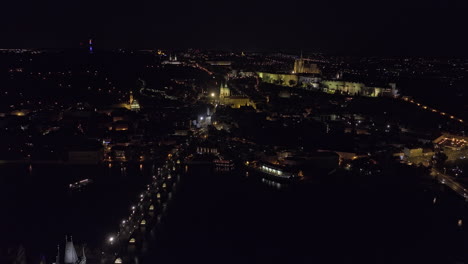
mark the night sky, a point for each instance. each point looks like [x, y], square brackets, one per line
[336, 26]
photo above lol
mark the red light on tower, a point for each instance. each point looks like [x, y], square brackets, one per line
[90, 42]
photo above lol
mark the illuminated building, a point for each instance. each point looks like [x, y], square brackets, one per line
[70, 254]
[207, 149]
[309, 81]
[291, 80]
[131, 104]
[21, 112]
[224, 91]
[358, 88]
[119, 153]
[234, 101]
[172, 60]
[302, 65]
[219, 63]
[134, 105]
[222, 165]
[120, 126]
[410, 152]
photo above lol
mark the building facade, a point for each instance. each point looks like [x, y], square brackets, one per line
[304, 66]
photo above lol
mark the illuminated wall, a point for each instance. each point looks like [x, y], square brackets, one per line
[219, 63]
[237, 101]
[357, 88]
[353, 88]
[307, 81]
[280, 79]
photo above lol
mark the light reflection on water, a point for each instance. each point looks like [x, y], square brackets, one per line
[443, 204]
[63, 211]
[431, 218]
[274, 184]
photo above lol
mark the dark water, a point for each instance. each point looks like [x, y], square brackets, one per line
[230, 218]
[233, 219]
[38, 209]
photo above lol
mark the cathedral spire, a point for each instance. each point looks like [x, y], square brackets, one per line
[130, 101]
[70, 253]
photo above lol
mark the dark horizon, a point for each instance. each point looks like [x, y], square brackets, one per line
[361, 28]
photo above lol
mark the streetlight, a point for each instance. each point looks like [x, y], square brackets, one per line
[212, 94]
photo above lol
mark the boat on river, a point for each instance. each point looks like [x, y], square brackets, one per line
[80, 184]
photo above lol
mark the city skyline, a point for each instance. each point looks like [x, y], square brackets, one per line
[362, 28]
[155, 155]
[233, 131]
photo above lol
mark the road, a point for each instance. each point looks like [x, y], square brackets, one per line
[450, 182]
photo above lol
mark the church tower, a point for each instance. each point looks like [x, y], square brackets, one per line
[134, 105]
[70, 253]
[299, 65]
[224, 91]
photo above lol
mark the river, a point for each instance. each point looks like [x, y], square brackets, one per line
[234, 218]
